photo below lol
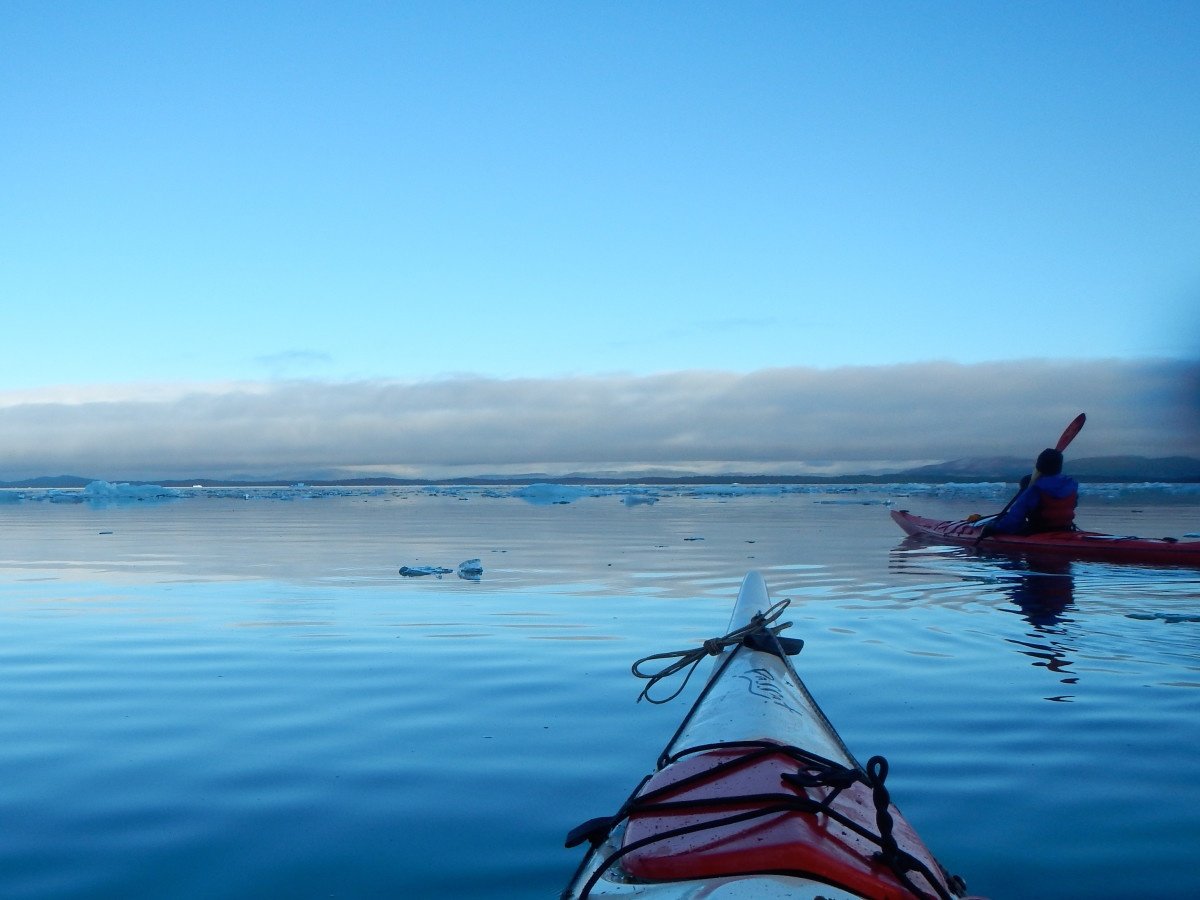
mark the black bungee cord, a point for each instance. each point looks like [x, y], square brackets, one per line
[689, 659]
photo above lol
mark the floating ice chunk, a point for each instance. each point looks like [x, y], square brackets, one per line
[543, 494]
[413, 571]
[639, 498]
[737, 490]
[104, 490]
[470, 569]
[54, 495]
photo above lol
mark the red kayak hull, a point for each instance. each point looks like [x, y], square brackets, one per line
[1072, 544]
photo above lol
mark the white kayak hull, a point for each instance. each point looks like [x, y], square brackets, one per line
[759, 695]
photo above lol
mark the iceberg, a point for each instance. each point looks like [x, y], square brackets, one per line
[545, 494]
[631, 495]
[416, 571]
[470, 570]
[107, 491]
[639, 498]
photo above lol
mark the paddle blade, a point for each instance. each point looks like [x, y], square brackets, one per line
[1069, 434]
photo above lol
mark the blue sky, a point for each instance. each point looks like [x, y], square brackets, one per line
[374, 193]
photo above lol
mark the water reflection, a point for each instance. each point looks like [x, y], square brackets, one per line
[1055, 657]
[1041, 590]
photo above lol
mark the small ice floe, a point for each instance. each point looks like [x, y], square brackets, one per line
[470, 569]
[544, 494]
[106, 491]
[639, 498]
[726, 491]
[414, 571]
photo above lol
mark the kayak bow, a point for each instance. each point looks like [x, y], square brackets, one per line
[1073, 544]
[756, 795]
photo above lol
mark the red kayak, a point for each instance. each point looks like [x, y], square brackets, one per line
[1077, 544]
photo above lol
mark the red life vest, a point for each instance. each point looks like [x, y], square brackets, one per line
[1053, 513]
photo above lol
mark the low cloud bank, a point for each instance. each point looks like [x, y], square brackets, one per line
[782, 421]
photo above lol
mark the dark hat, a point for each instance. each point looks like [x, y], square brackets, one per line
[1049, 462]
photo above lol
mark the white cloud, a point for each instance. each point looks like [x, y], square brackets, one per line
[775, 420]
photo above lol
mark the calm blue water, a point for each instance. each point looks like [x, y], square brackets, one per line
[242, 698]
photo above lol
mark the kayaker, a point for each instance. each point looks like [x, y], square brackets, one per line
[1046, 502]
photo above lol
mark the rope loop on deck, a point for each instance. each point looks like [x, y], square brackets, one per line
[678, 660]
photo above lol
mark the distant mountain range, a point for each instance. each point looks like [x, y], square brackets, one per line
[1093, 469]
[975, 468]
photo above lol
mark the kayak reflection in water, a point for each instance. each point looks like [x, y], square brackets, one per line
[1042, 590]
[1046, 502]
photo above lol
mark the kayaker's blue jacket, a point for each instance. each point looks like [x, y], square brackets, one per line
[1046, 505]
